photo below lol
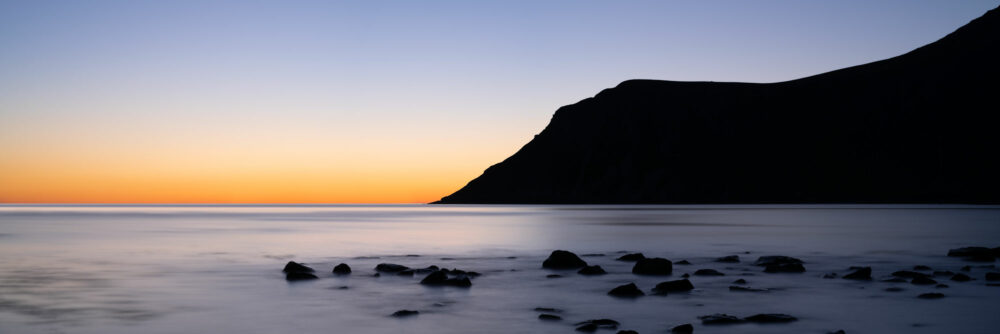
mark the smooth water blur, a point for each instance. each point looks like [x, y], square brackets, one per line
[171, 269]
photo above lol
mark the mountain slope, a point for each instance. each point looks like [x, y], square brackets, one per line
[917, 128]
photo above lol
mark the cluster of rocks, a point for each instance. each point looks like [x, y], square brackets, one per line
[436, 276]
[764, 318]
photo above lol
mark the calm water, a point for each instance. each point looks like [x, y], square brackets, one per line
[191, 269]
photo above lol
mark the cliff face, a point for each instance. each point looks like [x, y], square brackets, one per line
[918, 128]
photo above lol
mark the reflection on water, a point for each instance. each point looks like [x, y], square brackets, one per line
[169, 269]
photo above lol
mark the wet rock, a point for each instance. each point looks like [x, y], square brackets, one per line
[992, 276]
[895, 280]
[587, 328]
[922, 281]
[894, 289]
[860, 274]
[961, 278]
[943, 273]
[592, 255]
[297, 276]
[592, 270]
[931, 295]
[942, 286]
[922, 268]
[553, 276]
[295, 267]
[683, 329]
[627, 332]
[595, 324]
[770, 318]
[427, 270]
[405, 313]
[719, 319]
[627, 291]
[785, 268]
[673, 286]
[549, 317]
[734, 288]
[966, 268]
[560, 259]
[729, 259]
[910, 274]
[686, 275]
[683, 262]
[740, 281]
[342, 269]
[708, 272]
[631, 257]
[992, 284]
[838, 332]
[377, 275]
[977, 254]
[440, 278]
[653, 266]
[548, 309]
[407, 272]
[390, 268]
[830, 275]
[776, 260]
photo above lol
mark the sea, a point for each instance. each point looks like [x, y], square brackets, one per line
[218, 268]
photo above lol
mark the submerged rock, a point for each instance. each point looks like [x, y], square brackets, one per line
[440, 278]
[683, 262]
[342, 269]
[595, 324]
[770, 318]
[708, 272]
[631, 257]
[548, 309]
[740, 281]
[922, 268]
[295, 267]
[627, 332]
[628, 291]
[390, 268]
[560, 259]
[931, 295]
[673, 286]
[549, 317]
[776, 260]
[682, 329]
[719, 319]
[297, 276]
[894, 289]
[745, 289]
[977, 254]
[405, 313]
[961, 278]
[910, 274]
[587, 328]
[785, 268]
[553, 276]
[592, 270]
[860, 274]
[653, 266]
[991, 276]
[729, 259]
[922, 281]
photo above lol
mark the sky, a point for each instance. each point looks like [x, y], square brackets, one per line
[369, 101]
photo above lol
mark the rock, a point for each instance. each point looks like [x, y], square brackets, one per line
[294, 267]
[407, 272]
[729, 259]
[745, 289]
[931, 295]
[560, 259]
[910, 274]
[992, 284]
[631, 257]
[943, 273]
[553, 276]
[961, 278]
[405, 313]
[895, 280]
[860, 274]
[628, 291]
[592, 255]
[390, 268]
[297, 276]
[592, 270]
[342, 269]
[894, 289]
[922, 268]
[440, 278]
[776, 260]
[627, 332]
[587, 328]
[922, 281]
[653, 266]
[991, 276]
[966, 268]
[785, 268]
[770, 318]
[683, 262]
[686, 275]
[427, 270]
[377, 275]
[708, 272]
[942, 286]
[549, 317]
[719, 319]
[548, 309]
[673, 286]
[977, 254]
[740, 281]
[838, 332]
[683, 329]
[830, 275]
[594, 324]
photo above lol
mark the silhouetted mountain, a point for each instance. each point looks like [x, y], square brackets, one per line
[918, 128]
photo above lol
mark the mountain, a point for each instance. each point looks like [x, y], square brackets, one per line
[918, 128]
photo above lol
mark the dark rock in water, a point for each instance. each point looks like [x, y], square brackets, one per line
[686, 275]
[390, 268]
[595, 324]
[992, 276]
[992, 284]
[719, 319]
[745, 289]
[830, 275]
[895, 280]
[342, 269]
[592, 270]
[673, 286]
[405, 313]
[683, 262]
[770, 318]
[785, 268]
[439, 278]
[294, 267]
[553, 276]
[587, 328]
[729, 259]
[377, 275]
[922, 268]
[592, 255]
[407, 272]
[910, 274]
[776, 260]
[548, 309]
[560, 259]
[628, 290]
[631, 257]
[943, 273]
[838, 332]
[977, 254]
[740, 281]
[894, 289]
[653, 266]
[682, 329]
[966, 268]
[860, 274]
[922, 281]
[297, 276]
[942, 286]
[931, 295]
[427, 270]
[549, 317]
[627, 332]
[961, 278]
[708, 272]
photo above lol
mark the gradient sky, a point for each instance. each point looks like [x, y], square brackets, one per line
[369, 101]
